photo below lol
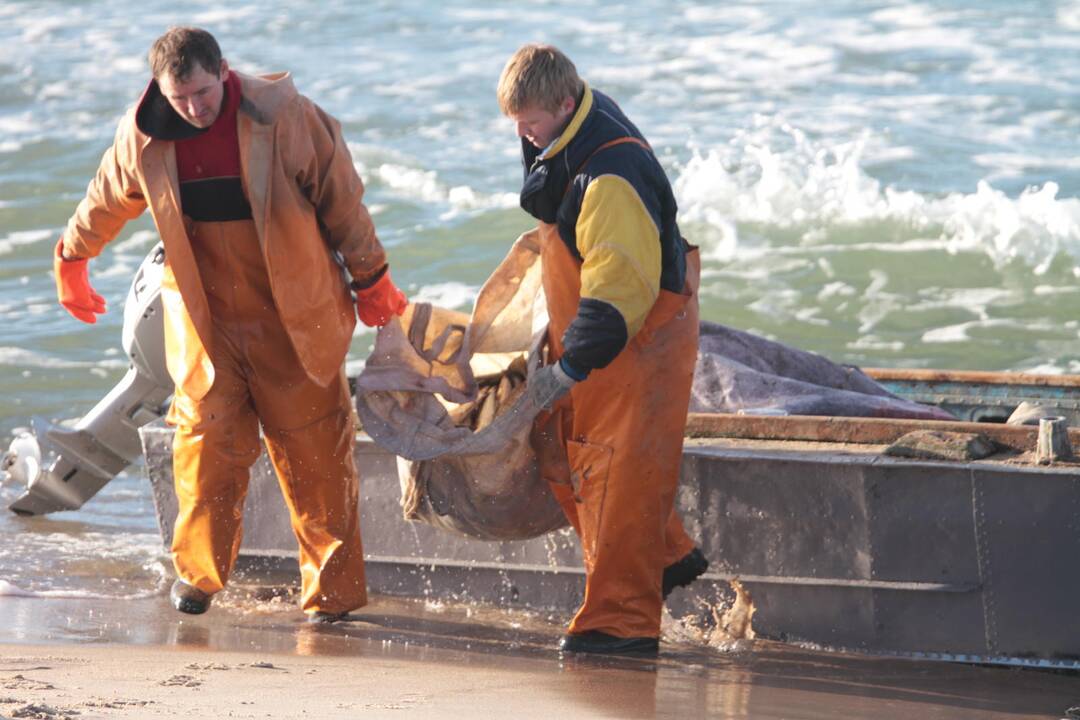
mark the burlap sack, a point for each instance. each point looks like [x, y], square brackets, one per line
[445, 392]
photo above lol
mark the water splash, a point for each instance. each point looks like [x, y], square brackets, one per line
[724, 621]
[735, 620]
[777, 182]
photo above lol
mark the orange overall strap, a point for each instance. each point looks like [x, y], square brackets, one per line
[605, 146]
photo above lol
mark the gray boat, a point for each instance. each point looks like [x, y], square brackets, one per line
[834, 542]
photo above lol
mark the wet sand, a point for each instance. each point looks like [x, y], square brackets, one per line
[252, 656]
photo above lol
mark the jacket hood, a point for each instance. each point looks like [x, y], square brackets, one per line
[262, 97]
[155, 117]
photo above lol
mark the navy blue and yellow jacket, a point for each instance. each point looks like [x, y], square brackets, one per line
[615, 211]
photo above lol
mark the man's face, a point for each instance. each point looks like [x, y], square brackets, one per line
[196, 98]
[540, 126]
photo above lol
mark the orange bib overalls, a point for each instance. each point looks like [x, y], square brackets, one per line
[307, 429]
[622, 430]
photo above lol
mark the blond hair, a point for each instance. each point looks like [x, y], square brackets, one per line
[539, 76]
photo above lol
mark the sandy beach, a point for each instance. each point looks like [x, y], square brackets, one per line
[253, 656]
[155, 681]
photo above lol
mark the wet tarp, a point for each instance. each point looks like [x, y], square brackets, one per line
[740, 372]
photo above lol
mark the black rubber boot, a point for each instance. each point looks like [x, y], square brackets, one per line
[324, 618]
[188, 598]
[594, 641]
[685, 571]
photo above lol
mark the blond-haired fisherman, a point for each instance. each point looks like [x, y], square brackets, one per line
[621, 288]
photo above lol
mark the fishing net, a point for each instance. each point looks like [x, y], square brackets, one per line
[445, 392]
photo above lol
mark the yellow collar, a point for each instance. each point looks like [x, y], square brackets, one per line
[571, 129]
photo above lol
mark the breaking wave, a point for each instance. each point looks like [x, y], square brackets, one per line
[757, 186]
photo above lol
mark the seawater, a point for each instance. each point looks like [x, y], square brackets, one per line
[886, 183]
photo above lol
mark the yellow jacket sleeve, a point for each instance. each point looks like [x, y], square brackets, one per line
[620, 247]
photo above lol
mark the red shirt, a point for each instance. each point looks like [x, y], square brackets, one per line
[214, 153]
[208, 165]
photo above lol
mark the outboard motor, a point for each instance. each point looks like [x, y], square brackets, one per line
[64, 466]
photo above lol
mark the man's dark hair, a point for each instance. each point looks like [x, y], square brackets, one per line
[180, 48]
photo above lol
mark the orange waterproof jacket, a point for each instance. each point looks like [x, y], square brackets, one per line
[305, 197]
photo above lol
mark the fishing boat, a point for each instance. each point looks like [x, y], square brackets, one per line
[835, 541]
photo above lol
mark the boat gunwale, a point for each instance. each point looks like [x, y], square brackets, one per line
[971, 377]
[854, 430]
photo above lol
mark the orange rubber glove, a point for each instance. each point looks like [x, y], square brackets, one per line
[375, 305]
[73, 287]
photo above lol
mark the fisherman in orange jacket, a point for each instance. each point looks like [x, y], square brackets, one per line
[621, 288]
[258, 204]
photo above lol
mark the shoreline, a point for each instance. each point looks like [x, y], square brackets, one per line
[255, 657]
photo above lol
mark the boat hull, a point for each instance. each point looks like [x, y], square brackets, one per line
[837, 544]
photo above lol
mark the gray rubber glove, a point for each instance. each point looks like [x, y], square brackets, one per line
[549, 384]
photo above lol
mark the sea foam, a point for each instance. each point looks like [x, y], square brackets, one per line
[814, 188]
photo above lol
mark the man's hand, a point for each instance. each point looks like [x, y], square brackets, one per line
[548, 384]
[73, 287]
[375, 305]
